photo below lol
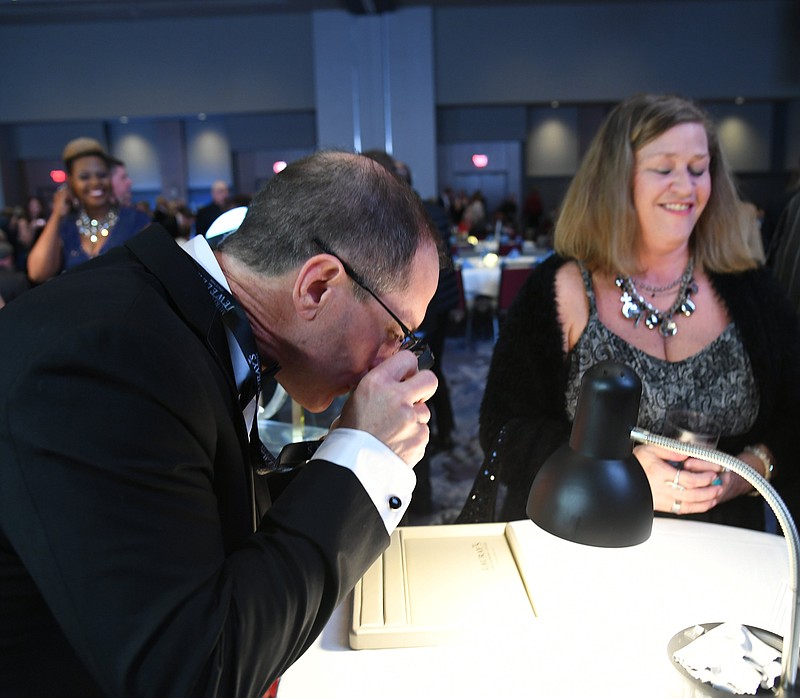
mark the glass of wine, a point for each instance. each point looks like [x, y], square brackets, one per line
[694, 427]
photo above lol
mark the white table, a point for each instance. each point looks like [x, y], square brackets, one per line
[604, 618]
[482, 279]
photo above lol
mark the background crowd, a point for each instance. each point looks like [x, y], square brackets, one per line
[22, 226]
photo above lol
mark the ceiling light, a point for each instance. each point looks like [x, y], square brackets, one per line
[480, 160]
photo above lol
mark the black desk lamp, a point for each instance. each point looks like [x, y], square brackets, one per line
[593, 491]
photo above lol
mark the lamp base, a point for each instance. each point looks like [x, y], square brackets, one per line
[685, 636]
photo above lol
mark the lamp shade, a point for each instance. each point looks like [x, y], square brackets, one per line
[593, 490]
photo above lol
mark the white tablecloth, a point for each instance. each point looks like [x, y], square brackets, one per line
[604, 619]
[482, 279]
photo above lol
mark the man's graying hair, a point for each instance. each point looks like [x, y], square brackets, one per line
[355, 206]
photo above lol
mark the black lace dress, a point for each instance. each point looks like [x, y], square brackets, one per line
[717, 381]
[749, 377]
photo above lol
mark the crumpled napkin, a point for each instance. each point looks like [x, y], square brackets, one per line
[731, 658]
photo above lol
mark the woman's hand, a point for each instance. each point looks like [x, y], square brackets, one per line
[694, 487]
[62, 201]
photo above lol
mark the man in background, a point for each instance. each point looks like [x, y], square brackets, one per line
[121, 183]
[434, 328]
[784, 257]
[210, 212]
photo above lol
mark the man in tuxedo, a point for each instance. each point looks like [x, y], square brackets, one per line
[219, 203]
[141, 550]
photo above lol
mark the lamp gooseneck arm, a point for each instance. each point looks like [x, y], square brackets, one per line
[791, 642]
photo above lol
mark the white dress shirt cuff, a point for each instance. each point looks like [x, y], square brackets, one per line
[387, 478]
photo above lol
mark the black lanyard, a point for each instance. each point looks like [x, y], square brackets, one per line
[235, 320]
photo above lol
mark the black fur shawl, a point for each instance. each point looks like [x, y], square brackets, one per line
[528, 376]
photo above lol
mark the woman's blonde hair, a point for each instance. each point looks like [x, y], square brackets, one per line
[598, 222]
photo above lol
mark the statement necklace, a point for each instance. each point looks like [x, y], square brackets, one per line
[635, 308]
[93, 228]
[653, 290]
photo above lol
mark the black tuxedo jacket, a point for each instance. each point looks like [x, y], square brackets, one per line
[131, 559]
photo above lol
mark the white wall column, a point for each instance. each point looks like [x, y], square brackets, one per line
[374, 87]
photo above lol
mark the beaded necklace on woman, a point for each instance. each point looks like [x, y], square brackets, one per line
[636, 308]
[95, 230]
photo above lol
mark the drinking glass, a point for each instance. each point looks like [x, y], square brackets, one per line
[691, 426]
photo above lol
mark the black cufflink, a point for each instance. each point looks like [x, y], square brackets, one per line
[394, 502]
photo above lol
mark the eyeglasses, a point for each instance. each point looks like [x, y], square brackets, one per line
[410, 342]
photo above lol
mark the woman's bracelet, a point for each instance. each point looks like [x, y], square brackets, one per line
[761, 453]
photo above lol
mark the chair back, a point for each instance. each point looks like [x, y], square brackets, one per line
[506, 248]
[511, 280]
[462, 301]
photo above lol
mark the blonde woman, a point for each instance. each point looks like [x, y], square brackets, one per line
[652, 268]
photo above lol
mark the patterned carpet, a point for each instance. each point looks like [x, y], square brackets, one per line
[453, 471]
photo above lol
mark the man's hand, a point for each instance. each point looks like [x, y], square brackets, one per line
[389, 403]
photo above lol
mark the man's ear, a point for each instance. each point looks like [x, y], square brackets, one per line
[318, 279]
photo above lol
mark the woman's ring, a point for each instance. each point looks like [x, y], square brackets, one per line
[675, 485]
[676, 507]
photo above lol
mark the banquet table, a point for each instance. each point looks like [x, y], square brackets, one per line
[481, 275]
[603, 619]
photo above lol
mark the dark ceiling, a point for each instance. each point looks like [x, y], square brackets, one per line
[58, 11]
[29, 11]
